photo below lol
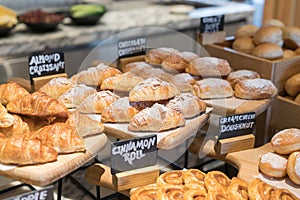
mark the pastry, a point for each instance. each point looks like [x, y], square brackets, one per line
[212, 88]
[283, 194]
[297, 99]
[153, 89]
[268, 34]
[238, 189]
[84, 124]
[209, 67]
[240, 75]
[177, 62]
[255, 89]
[291, 37]
[268, 51]
[10, 92]
[247, 30]
[121, 82]
[217, 181]
[18, 127]
[292, 85]
[35, 123]
[59, 136]
[136, 68]
[20, 150]
[194, 180]
[6, 119]
[274, 22]
[156, 73]
[194, 194]
[156, 118]
[148, 192]
[119, 111]
[188, 104]
[217, 195]
[273, 165]
[171, 192]
[243, 44]
[95, 75]
[57, 86]
[38, 104]
[287, 53]
[260, 190]
[286, 141]
[97, 102]
[157, 55]
[173, 177]
[297, 51]
[76, 94]
[293, 167]
[183, 81]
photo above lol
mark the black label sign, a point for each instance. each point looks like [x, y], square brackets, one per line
[131, 47]
[212, 24]
[46, 64]
[43, 194]
[134, 153]
[236, 125]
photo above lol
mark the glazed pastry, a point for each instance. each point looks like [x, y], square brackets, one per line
[239, 75]
[97, 102]
[153, 89]
[216, 180]
[283, 194]
[148, 192]
[38, 104]
[156, 56]
[273, 165]
[6, 119]
[173, 177]
[121, 82]
[57, 86]
[260, 190]
[255, 89]
[119, 111]
[17, 128]
[194, 179]
[183, 81]
[286, 141]
[195, 195]
[212, 88]
[59, 136]
[95, 75]
[188, 104]
[238, 189]
[171, 192]
[217, 195]
[10, 92]
[156, 118]
[293, 167]
[76, 94]
[20, 150]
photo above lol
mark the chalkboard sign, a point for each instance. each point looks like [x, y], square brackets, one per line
[42, 194]
[212, 24]
[236, 125]
[46, 64]
[133, 154]
[131, 47]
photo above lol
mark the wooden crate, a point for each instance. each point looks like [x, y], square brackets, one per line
[278, 70]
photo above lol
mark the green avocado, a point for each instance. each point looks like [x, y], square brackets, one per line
[84, 10]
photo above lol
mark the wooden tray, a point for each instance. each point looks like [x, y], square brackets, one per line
[45, 174]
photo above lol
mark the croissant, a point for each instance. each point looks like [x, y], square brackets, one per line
[11, 91]
[38, 104]
[57, 86]
[17, 128]
[60, 136]
[84, 124]
[23, 151]
[6, 119]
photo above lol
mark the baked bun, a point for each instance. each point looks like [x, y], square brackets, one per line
[287, 53]
[292, 85]
[293, 167]
[268, 51]
[286, 141]
[153, 89]
[246, 31]
[273, 165]
[243, 44]
[291, 37]
[297, 99]
[209, 67]
[257, 88]
[156, 56]
[268, 34]
[212, 88]
[240, 75]
[274, 22]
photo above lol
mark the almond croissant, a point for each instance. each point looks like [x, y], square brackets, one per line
[6, 119]
[11, 91]
[19, 127]
[23, 151]
[60, 136]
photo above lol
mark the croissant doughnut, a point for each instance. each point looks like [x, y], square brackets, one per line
[195, 195]
[238, 189]
[148, 192]
[216, 180]
[293, 167]
[273, 165]
[260, 190]
[283, 194]
[174, 177]
[286, 141]
[171, 192]
[194, 179]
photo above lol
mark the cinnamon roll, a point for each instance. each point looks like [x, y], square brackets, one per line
[216, 180]
[259, 190]
[194, 179]
[171, 192]
[195, 195]
[148, 192]
[283, 194]
[174, 177]
[238, 189]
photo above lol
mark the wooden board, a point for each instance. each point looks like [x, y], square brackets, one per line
[45, 174]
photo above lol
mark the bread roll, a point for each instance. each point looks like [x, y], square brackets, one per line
[212, 88]
[268, 51]
[293, 167]
[297, 99]
[274, 22]
[273, 165]
[246, 31]
[286, 141]
[243, 44]
[255, 89]
[292, 85]
[287, 53]
[268, 34]
[239, 75]
[291, 36]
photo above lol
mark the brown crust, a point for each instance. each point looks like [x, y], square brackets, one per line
[292, 170]
[286, 141]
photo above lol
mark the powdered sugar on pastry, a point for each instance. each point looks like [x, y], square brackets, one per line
[276, 161]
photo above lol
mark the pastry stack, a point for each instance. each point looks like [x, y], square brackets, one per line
[194, 184]
[285, 160]
[292, 87]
